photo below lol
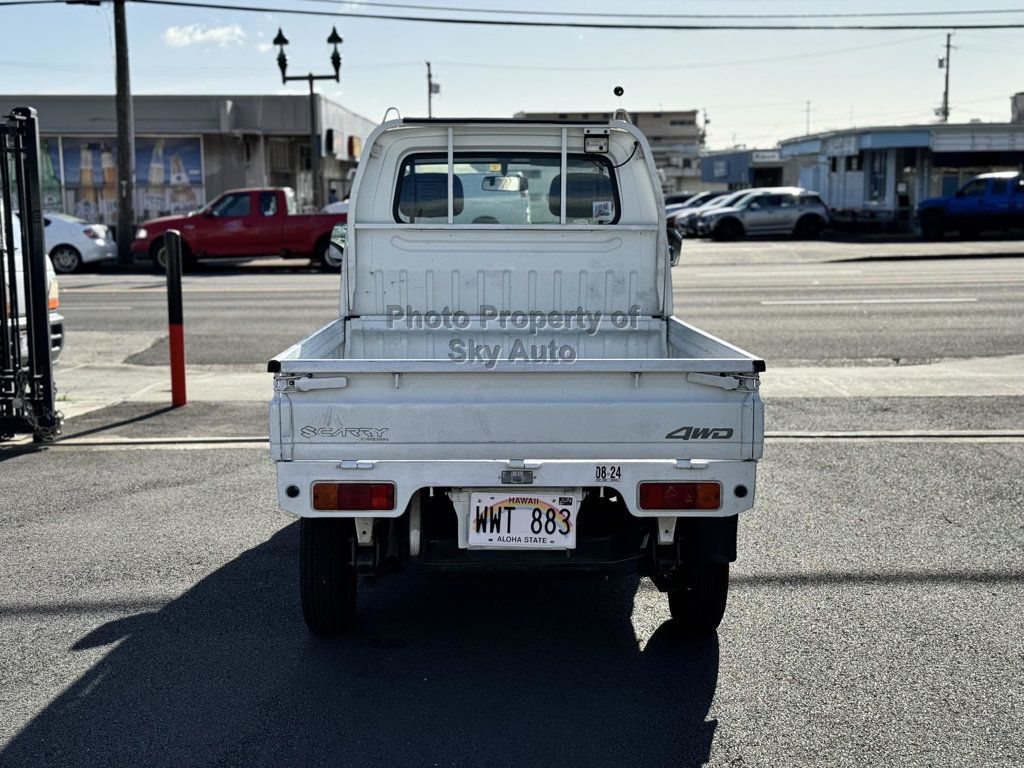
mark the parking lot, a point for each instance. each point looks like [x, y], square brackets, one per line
[148, 598]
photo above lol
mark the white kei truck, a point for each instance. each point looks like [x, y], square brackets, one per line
[506, 386]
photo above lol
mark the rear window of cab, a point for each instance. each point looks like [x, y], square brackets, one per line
[516, 189]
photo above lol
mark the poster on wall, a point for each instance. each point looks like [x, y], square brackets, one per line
[168, 177]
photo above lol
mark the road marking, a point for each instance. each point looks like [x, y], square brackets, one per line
[788, 302]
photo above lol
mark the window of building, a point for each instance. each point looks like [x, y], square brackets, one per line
[854, 163]
[681, 121]
[877, 177]
[687, 162]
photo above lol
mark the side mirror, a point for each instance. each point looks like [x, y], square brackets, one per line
[339, 237]
[755, 206]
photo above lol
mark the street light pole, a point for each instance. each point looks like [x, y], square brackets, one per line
[314, 134]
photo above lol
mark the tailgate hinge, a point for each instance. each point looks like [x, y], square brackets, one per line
[724, 382]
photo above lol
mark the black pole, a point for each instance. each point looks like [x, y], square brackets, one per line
[175, 318]
[125, 140]
[47, 423]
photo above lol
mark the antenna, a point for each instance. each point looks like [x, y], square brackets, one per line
[620, 113]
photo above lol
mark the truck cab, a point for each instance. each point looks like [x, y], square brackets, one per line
[505, 386]
[991, 201]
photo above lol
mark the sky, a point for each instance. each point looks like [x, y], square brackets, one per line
[754, 85]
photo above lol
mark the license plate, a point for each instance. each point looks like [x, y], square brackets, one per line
[528, 521]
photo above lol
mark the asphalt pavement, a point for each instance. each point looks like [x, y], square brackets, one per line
[148, 596]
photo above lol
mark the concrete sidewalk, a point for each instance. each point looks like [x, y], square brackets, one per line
[88, 387]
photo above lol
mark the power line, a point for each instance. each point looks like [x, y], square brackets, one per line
[580, 24]
[612, 14]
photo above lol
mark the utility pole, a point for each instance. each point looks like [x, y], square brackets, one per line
[807, 119]
[125, 140]
[944, 64]
[432, 88]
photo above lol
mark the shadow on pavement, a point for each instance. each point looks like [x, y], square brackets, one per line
[443, 671]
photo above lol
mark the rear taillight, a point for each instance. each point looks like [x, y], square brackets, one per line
[354, 497]
[91, 232]
[680, 495]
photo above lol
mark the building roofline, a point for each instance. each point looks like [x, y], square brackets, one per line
[901, 129]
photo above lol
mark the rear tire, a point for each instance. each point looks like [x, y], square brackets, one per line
[809, 228]
[322, 258]
[933, 226]
[158, 253]
[327, 576]
[730, 229]
[66, 259]
[698, 596]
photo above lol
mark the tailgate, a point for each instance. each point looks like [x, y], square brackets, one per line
[571, 412]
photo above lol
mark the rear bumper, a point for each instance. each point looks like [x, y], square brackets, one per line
[737, 479]
[97, 253]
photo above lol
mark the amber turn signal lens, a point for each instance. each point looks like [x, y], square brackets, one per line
[680, 495]
[354, 497]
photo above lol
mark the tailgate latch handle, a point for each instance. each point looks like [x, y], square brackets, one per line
[306, 383]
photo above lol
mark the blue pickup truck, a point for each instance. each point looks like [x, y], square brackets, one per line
[992, 201]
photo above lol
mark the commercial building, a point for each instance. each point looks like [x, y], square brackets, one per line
[675, 137]
[744, 168]
[878, 175]
[189, 149]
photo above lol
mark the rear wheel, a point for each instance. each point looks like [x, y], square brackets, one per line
[729, 229]
[698, 596]
[808, 228]
[66, 259]
[327, 575]
[933, 226]
[158, 253]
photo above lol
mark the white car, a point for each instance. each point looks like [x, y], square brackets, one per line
[72, 242]
[52, 297]
[339, 206]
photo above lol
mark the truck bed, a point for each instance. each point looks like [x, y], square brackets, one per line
[360, 390]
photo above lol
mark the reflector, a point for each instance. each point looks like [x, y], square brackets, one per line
[354, 497]
[680, 495]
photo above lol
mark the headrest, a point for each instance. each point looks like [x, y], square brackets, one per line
[582, 190]
[425, 195]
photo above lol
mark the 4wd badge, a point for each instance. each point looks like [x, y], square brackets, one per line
[700, 433]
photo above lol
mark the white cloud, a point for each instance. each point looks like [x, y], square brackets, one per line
[264, 47]
[197, 34]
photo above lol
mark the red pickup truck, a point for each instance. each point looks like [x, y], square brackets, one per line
[261, 221]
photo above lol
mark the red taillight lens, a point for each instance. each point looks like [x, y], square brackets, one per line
[354, 497]
[90, 232]
[680, 495]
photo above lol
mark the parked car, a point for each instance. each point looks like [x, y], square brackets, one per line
[261, 221]
[676, 198]
[686, 220]
[991, 201]
[338, 206]
[622, 441]
[52, 292]
[72, 242]
[796, 213]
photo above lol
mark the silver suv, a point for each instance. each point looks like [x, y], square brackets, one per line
[797, 213]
